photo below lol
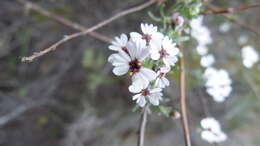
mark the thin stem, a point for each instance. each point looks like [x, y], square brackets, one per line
[184, 119]
[245, 25]
[141, 131]
[62, 20]
[230, 10]
[85, 32]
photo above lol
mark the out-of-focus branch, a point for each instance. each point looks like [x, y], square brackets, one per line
[62, 20]
[184, 118]
[230, 10]
[141, 131]
[244, 25]
[91, 29]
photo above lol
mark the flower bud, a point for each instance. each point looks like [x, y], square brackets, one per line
[177, 19]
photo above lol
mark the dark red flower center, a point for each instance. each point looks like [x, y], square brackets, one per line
[145, 92]
[147, 38]
[163, 53]
[161, 75]
[125, 50]
[135, 66]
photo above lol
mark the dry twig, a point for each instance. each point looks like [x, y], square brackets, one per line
[230, 10]
[62, 20]
[141, 131]
[85, 32]
[184, 118]
[245, 25]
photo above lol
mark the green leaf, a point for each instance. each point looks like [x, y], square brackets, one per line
[155, 18]
[165, 110]
[135, 108]
[182, 39]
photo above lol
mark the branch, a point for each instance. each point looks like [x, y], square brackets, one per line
[230, 10]
[184, 119]
[85, 32]
[141, 132]
[62, 20]
[245, 25]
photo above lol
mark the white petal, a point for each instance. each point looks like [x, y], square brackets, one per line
[120, 70]
[155, 98]
[148, 73]
[124, 39]
[141, 101]
[139, 81]
[137, 86]
[114, 48]
[170, 60]
[135, 36]
[143, 54]
[155, 90]
[135, 97]
[210, 123]
[208, 136]
[173, 51]
[165, 81]
[155, 55]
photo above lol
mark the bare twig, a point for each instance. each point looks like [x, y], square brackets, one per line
[230, 10]
[85, 32]
[142, 126]
[62, 20]
[245, 25]
[184, 119]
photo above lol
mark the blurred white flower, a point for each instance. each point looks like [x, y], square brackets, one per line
[161, 81]
[166, 51]
[212, 132]
[150, 34]
[200, 32]
[207, 60]
[152, 95]
[202, 50]
[249, 56]
[225, 27]
[218, 83]
[119, 43]
[132, 62]
[242, 39]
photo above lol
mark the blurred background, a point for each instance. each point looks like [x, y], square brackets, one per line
[70, 97]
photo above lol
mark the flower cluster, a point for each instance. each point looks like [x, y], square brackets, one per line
[212, 132]
[147, 58]
[249, 56]
[202, 35]
[217, 81]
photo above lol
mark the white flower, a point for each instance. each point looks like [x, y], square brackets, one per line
[150, 34]
[161, 81]
[152, 95]
[202, 50]
[131, 61]
[200, 32]
[212, 132]
[249, 56]
[119, 43]
[242, 39]
[207, 60]
[166, 51]
[225, 27]
[218, 83]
